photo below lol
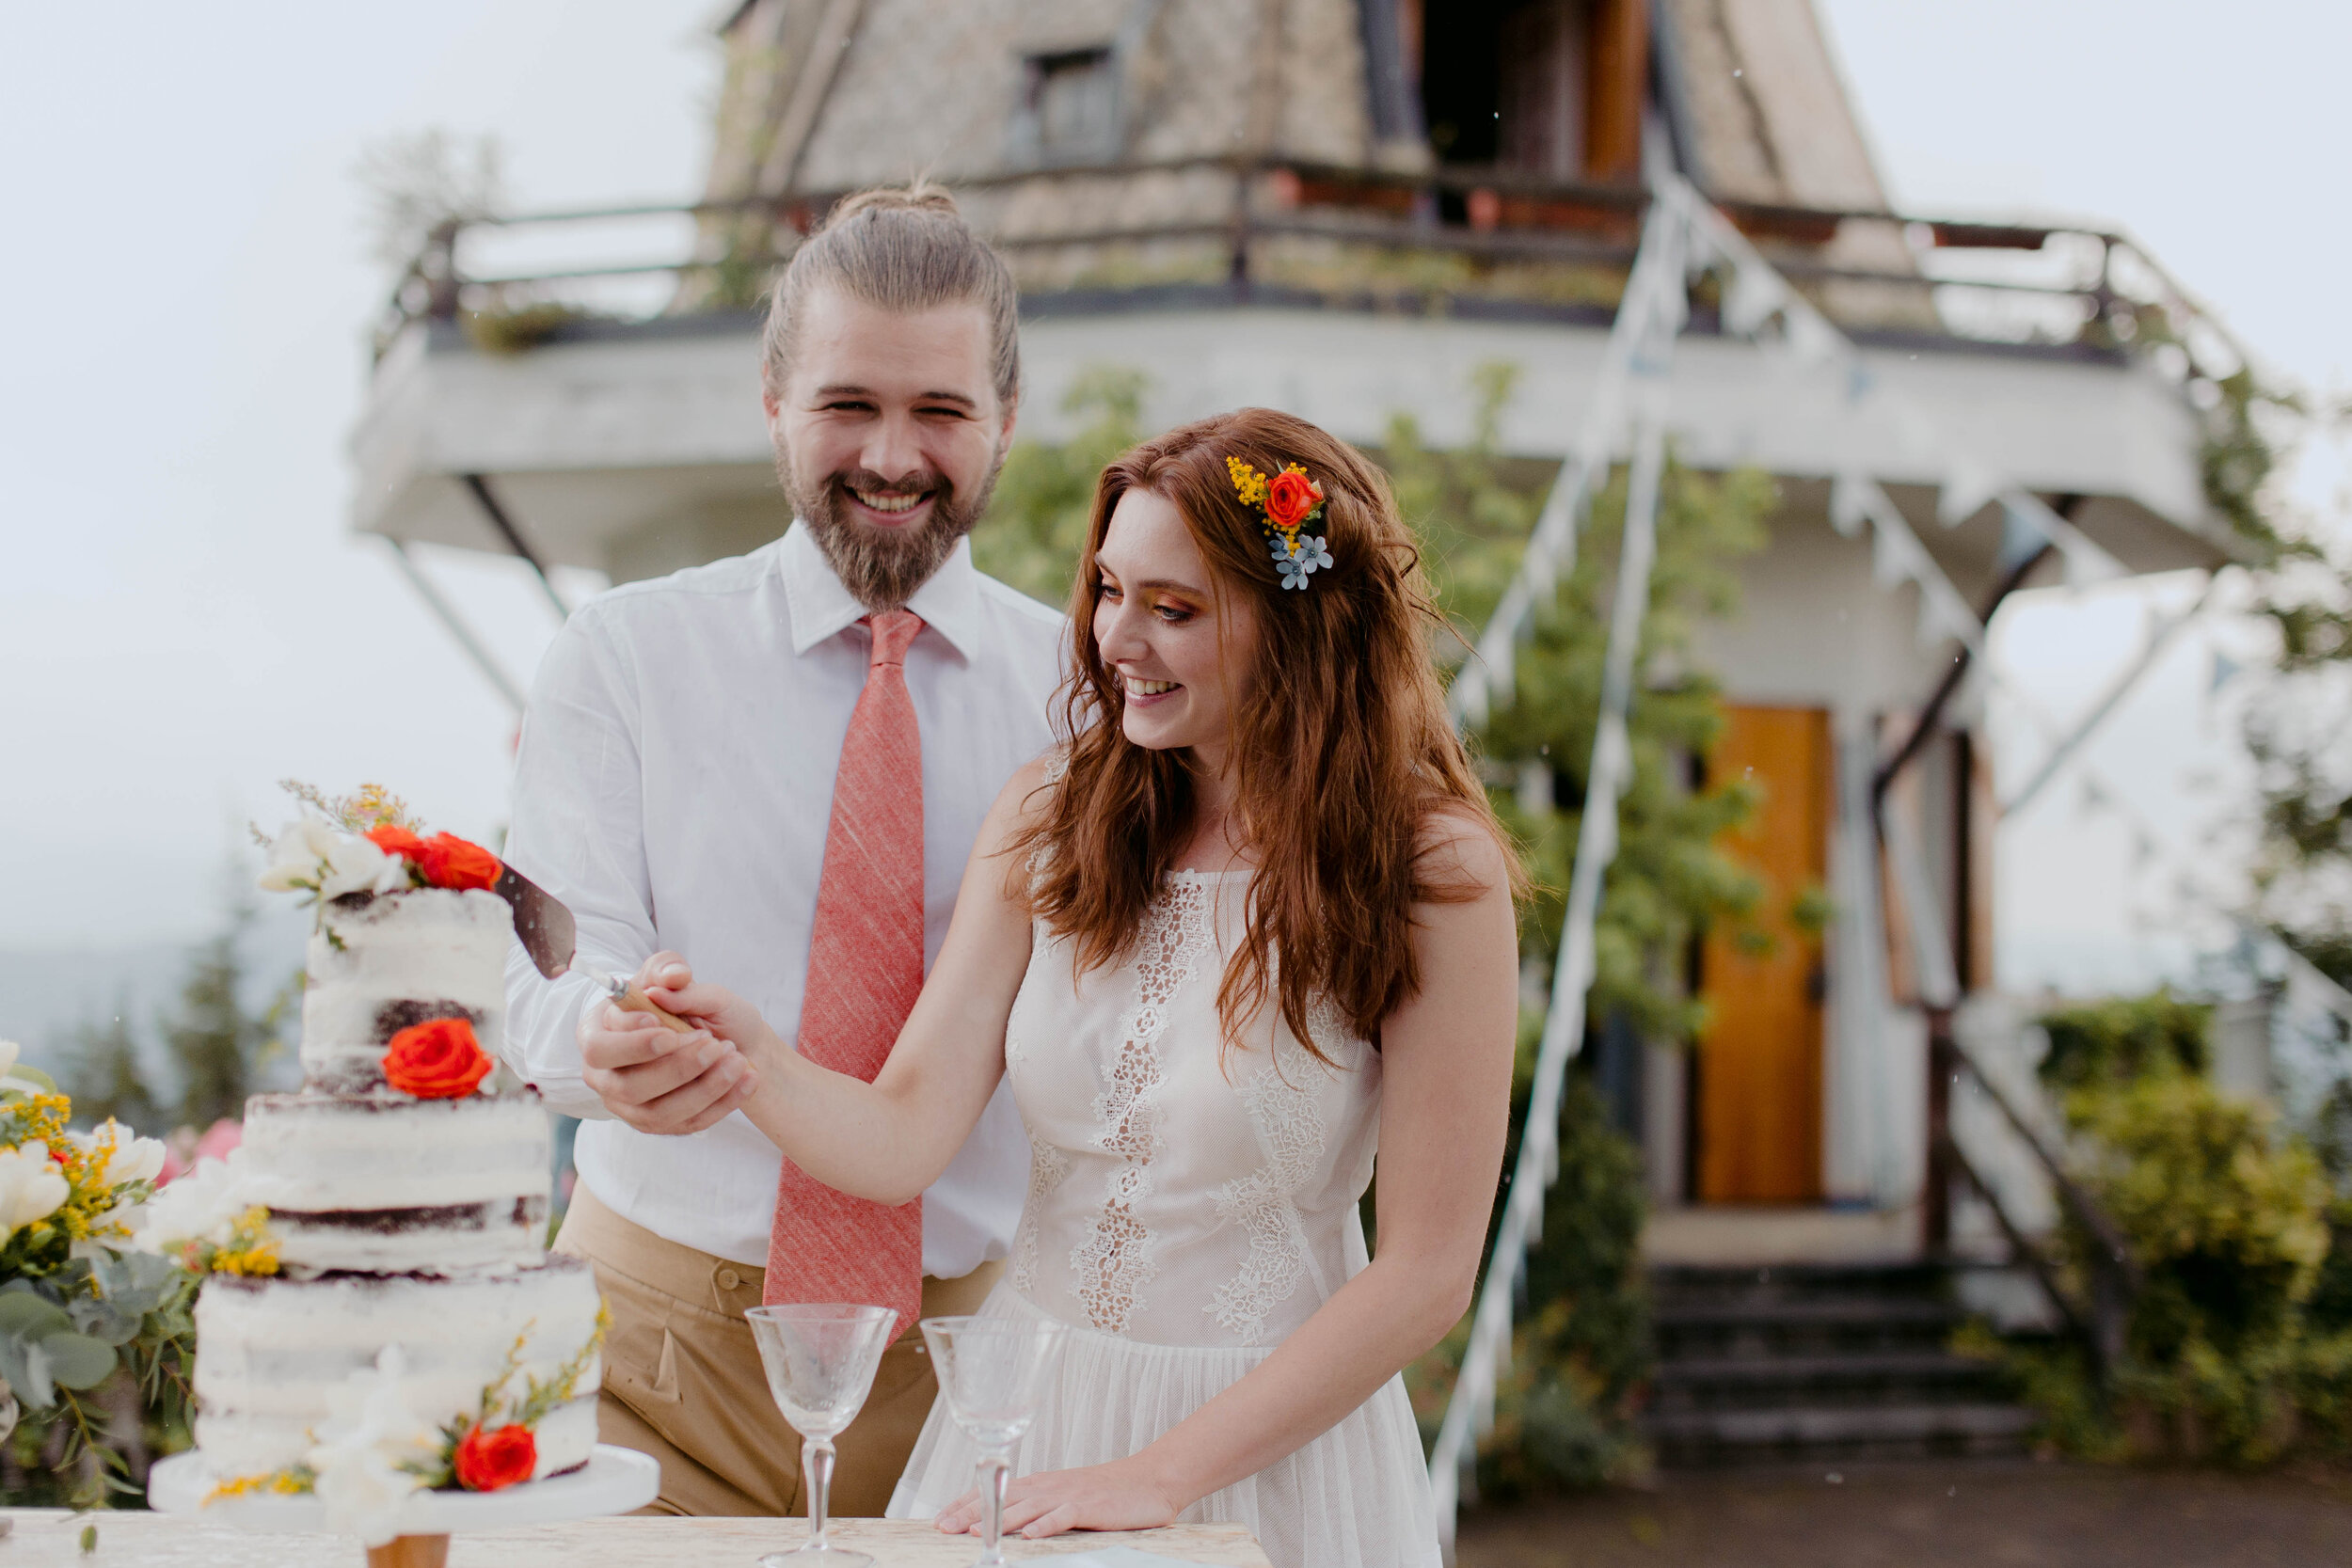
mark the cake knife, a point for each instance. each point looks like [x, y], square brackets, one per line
[552, 937]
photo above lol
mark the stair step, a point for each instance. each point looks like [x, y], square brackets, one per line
[1838, 1431]
[1883, 1367]
[1880, 1279]
[1866, 1314]
[1877, 1378]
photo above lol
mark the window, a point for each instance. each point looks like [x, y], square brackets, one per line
[1071, 106]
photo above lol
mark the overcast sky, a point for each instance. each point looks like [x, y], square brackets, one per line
[184, 619]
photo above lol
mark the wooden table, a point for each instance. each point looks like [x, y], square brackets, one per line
[51, 1538]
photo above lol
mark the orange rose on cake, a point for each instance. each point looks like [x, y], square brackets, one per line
[438, 1059]
[489, 1459]
[448, 860]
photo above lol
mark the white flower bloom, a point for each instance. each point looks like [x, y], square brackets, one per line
[363, 1491]
[200, 1206]
[357, 866]
[10, 1051]
[312, 854]
[295, 858]
[132, 1158]
[31, 1187]
[371, 1433]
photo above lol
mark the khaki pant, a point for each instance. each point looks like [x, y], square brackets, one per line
[683, 1383]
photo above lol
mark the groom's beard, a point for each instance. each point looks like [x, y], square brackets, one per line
[883, 567]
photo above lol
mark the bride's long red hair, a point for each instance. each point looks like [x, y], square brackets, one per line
[1343, 746]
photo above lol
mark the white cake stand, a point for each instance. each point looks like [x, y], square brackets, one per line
[614, 1480]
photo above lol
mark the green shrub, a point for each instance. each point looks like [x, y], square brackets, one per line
[2126, 1038]
[2235, 1349]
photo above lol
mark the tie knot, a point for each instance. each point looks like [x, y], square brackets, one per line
[892, 631]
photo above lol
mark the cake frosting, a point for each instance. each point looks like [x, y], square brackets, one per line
[380, 963]
[407, 1195]
[270, 1350]
[387, 1183]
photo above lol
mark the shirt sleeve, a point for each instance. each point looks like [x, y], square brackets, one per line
[577, 831]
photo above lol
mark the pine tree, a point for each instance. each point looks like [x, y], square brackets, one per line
[213, 1041]
[108, 1081]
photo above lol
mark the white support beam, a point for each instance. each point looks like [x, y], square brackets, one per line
[1658, 312]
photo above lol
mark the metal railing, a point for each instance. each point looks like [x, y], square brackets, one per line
[1489, 217]
[2097, 1310]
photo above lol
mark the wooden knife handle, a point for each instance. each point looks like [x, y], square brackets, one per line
[631, 998]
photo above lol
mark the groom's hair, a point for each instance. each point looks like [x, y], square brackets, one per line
[903, 248]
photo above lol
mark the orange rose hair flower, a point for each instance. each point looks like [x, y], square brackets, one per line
[1288, 502]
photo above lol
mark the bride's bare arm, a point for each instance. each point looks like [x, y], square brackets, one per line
[890, 1139]
[1445, 1107]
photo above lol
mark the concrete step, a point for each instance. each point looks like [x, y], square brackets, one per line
[1706, 1437]
[1811, 1327]
[1881, 1378]
[1784, 1281]
[1864, 1311]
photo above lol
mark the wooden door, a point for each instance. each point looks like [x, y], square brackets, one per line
[1760, 1100]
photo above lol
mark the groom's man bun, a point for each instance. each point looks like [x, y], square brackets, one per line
[903, 248]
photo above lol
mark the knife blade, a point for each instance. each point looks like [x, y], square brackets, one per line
[552, 937]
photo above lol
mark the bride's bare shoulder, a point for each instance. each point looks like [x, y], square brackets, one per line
[1462, 855]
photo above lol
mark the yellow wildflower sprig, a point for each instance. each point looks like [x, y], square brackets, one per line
[294, 1481]
[251, 1248]
[369, 806]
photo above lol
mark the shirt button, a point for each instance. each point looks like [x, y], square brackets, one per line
[729, 1279]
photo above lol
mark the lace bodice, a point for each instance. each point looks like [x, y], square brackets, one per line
[1176, 1200]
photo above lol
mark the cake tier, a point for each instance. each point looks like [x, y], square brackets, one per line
[384, 1184]
[269, 1350]
[378, 964]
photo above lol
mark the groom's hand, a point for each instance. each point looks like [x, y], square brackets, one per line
[654, 1078]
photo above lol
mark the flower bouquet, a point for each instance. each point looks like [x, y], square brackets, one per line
[80, 1299]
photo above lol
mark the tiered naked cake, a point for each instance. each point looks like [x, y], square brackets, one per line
[406, 1193]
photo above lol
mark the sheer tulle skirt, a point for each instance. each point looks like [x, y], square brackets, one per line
[1356, 1497]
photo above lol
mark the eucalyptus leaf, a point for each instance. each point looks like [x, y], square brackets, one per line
[105, 1319]
[16, 1369]
[78, 1361]
[38, 1385]
[24, 1313]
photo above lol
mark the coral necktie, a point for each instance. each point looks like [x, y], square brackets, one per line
[865, 970]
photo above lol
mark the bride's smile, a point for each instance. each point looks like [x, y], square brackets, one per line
[1177, 647]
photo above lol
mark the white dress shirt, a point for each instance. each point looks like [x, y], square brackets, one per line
[672, 791]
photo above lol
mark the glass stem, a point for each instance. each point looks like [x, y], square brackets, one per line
[995, 1474]
[817, 1467]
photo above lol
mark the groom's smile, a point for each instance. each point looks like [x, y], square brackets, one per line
[888, 432]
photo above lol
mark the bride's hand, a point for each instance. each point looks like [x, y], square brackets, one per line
[669, 981]
[1116, 1496]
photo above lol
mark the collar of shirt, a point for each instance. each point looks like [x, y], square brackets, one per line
[950, 602]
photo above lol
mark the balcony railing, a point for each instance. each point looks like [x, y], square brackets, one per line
[1240, 227]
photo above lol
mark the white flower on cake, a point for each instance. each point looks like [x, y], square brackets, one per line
[204, 1205]
[370, 1457]
[312, 855]
[31, 1187]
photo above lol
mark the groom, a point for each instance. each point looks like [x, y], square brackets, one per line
[775, 767]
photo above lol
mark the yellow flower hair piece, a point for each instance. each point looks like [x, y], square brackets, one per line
[1285, 503]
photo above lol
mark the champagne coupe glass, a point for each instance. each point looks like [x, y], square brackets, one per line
[821, 1362]
[994, 1373]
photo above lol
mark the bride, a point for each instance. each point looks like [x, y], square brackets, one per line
[1253, 921]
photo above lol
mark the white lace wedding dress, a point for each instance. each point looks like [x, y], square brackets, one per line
[1183, 1216]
